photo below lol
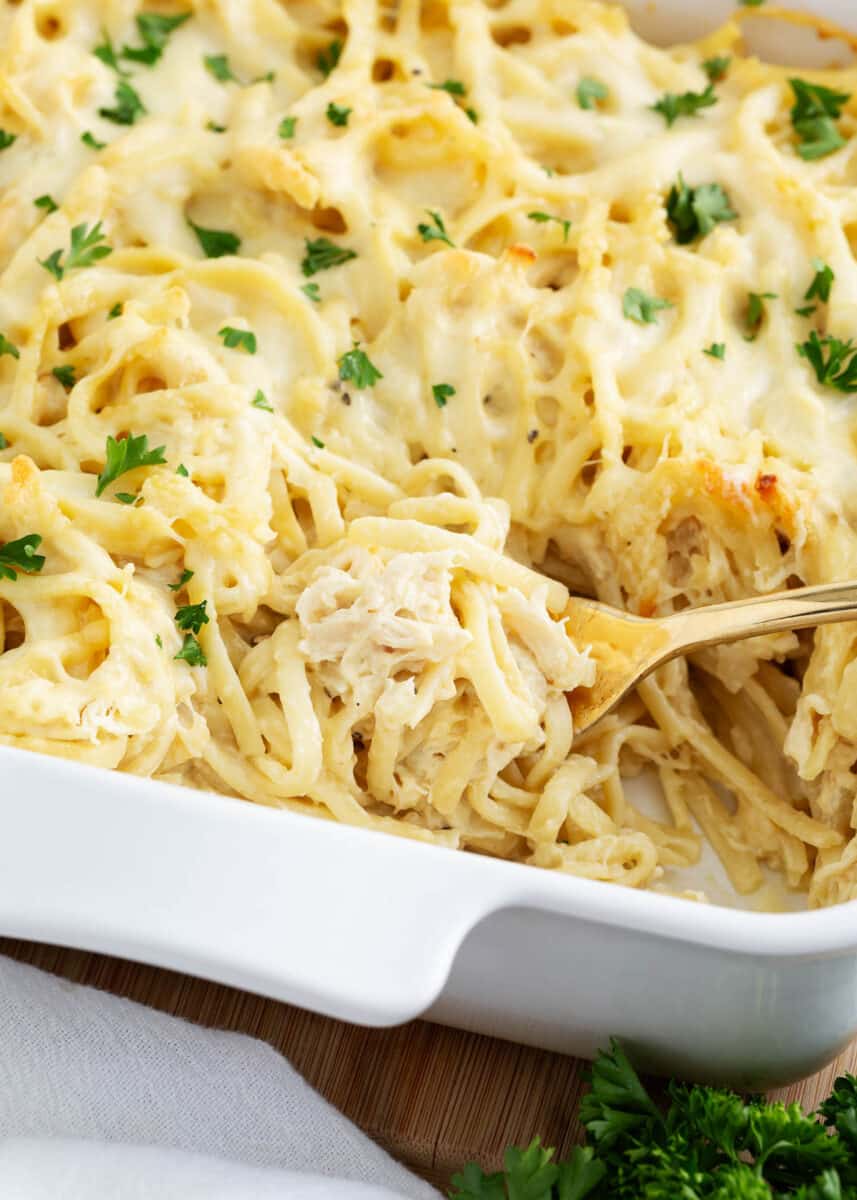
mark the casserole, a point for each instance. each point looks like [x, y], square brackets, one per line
[382, 932]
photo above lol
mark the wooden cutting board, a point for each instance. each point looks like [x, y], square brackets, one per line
[435, 1098]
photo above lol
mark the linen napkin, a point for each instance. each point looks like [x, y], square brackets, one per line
[104, 1099]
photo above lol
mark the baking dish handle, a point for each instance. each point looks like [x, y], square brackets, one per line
[319, 914]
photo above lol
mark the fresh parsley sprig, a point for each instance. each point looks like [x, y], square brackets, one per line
[322, 254]
[639, 306]
[65, 376]
[155, 30]
[20, 555]
[356, 365]
[542, 218]
[755, 314]
[128, 107]
[694, 211]
[590, 92]
[338, 114]
[813, 114]
[7, 347]
[328, 58]
[715, 68]
[442, 392]
[834, 361]
[216, 243]
[126, 454]
[822, 281]
[238, 339]
[7, 139]
[88, 246]
[191, 617]
[434, 230]
[671, 105]
[191, 652]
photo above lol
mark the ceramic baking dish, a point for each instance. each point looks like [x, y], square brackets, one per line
[376, 929]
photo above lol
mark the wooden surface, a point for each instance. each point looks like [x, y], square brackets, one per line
[434, 1097]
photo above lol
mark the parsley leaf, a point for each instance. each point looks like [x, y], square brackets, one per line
[337, 115]
[128, 108]
[116, 311]
[213, 127]
[286, 128]
[716, 68]
[822, 280]
[356, 366]
[543, 218]
[6, 139]
[839, 368]
[693, 212]
[47, 203]
[312, 292]
[85, 251]
[260, 400]
[640, 307]
[158, 641]
[328, 58]
[89, 139]
[453, 86]
[4, 445]
[671, 106]
[192, 617]
[322, 254]
[184, 578]
[191, 652]
[435, 231]
[107, 54]
[218, 66]
[65, 375]
[154, 31]
[216, 243]
[181, 469]
[7, 347]
[590, 91]
[751, 3]
[126, 455]
[530, 1173]
[238, 339]
[126, 497]
[442, 393]
[317, 442]
[716, 350]
[756, 313]
[20, 555]
[813, 113]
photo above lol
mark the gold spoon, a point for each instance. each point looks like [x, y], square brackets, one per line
[626, 648]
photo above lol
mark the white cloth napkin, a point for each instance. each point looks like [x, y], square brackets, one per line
[104, 1099]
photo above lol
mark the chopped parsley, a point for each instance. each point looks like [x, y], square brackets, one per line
[472, 115]
[20, 555]
[716, 68]
[47, 203]
[671, 105]
[322, 254]
[216, 243]
[107, 54]
[192, 617]
[441, 393]
[89, 139]
[260, 400]
[806, 310]
[638, 306]
[238, 339]
[819, 289]
[543, 218]
[184, 578]
[755, 313]
[751, 3]
[213, 127]
[435, 231]
[154, 31]
[126, 497]
[286, 128]
[3, 443]
[128, 108]
[356, 366]
[182, 470]
[337, 115]
[693, 212]
[7, 347]
[87, 248]
[591, 91]
[312, 292]
[218, 66]
[838, 369]
[65, 375]
[716, 350]
[127, 454]
[6, 139]
[116, 311]
[453, 86]
[328, 58]
[158, 641]
[813, 114]
[317, 442]
[191, 652]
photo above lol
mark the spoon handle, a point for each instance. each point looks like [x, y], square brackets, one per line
[735, 620]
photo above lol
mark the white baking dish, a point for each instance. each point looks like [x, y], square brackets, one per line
[377, 929]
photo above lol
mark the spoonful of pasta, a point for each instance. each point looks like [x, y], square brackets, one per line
[626, 648]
